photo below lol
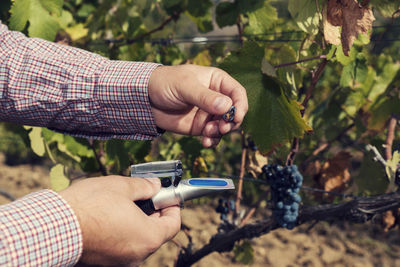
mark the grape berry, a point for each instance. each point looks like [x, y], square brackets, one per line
[224, 207]
[285, 183]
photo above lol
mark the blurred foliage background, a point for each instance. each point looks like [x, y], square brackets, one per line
[274, 48]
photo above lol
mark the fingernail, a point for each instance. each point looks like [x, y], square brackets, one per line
[221, 102]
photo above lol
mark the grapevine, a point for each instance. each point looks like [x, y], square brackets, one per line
[302, 66]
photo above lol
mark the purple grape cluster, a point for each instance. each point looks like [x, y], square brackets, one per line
[224, 207]
[285, 183]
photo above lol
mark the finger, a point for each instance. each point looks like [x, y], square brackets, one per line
[200, 122]
[211, 129]
[225, 127]
[170, 222]
[206, 99]
[141, 188]
[210, 142]
[227, 85]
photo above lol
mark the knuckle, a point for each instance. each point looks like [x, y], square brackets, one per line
[154, 243]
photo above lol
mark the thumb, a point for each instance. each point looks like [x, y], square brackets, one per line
[143, 188]
[206, 99]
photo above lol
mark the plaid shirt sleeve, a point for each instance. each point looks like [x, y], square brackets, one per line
[73, 91]
[39, 230]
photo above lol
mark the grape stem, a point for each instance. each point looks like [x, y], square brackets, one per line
[359, 210]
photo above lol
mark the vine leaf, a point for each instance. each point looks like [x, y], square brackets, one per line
[36, 139]
[58, 180]
[39, 15]
[371, 179]
[255, 161]
[391, 167]
[305, 14]
[261, 19]
[272, 118]
[354, 19]
[387, 8]
[244, 253]
[334, 174]
[331, 32]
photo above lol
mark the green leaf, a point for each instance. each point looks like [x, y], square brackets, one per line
[267, 68]
[305, 13]
[173, 6]
[272, 118]
[199, 8]
[191, 147]
[261, 20]
[204, 24]
[381, 111]
[383, 80]
[117, 154]
[391, 167]
[371, 179]
[342, 58]
[386, 7]
[36, 138]
[249, 5]
[41, 15]
[244, 253]
[58, 180]
[355, 71]
[226, 14]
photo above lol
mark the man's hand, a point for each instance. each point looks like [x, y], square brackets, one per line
[190, 99]
[115, 231]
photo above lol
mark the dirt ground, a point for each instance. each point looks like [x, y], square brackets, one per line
[323, 245]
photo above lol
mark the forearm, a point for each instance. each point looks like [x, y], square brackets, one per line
[39, 230]
[72, 90]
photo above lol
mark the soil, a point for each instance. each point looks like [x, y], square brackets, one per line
[339, 244]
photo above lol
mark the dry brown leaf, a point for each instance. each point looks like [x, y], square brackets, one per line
[354, 18]
[313, 168]
[334, 12]
[200, 166]
[255, 162]
[334, 174]
[331, 32]
[388, 220]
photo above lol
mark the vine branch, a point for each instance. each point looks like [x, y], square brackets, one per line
[359, 210]
[390, 137]
[315, 78]
[7, 195]
[299, 61]
[173, 17]
[102, 168]
[241, 175]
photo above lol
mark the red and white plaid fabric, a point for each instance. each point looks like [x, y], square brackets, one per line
[75, 92]
[39, 230]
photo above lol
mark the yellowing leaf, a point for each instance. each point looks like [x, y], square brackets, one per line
[203, 58]
[77, 31]
[255, 162]
[36, 138]
[58, 180]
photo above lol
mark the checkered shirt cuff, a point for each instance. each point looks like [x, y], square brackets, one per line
[39, 230]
